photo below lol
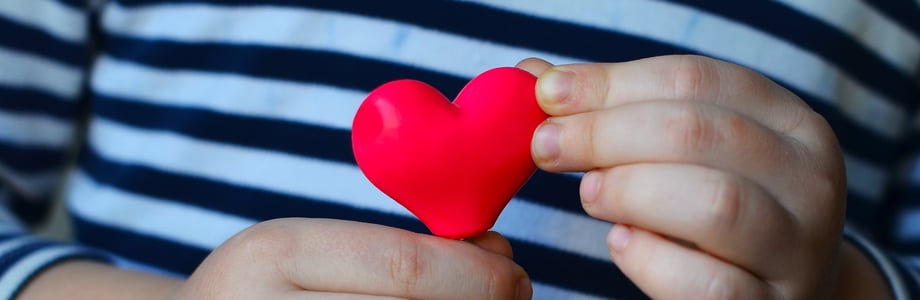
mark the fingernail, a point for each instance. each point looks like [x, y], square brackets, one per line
[555, 86]
[590, 186]
[546, 142]
[619, 237]
[525, 290]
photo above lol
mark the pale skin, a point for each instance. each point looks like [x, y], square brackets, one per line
[312, 259]
[723, 185]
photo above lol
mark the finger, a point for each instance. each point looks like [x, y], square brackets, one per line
[721, 213]
[360, 258]
[535, 66]
[665, 270]
[493, 242]
[571, 89]
[667, 131]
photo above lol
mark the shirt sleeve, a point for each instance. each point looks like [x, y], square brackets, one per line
[899, 273]
[44, 54]
[896, 251]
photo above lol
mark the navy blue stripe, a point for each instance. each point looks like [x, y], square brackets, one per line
[74, 4]
[168, 255]
[556, 190]
[904, 12]
[593, 276]
[23, 159]
[35, 102]
[9, 258]
[31, 211]
[299, 65]
[856, 140]
[912, 142]
[570, 271]
[10, 236]
[242, 201]
[277, 135]
[867, 215]
[37, 42]
[820, 38]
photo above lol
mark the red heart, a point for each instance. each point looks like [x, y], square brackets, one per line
[454, 165]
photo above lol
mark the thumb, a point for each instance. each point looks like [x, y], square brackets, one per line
[534, 65]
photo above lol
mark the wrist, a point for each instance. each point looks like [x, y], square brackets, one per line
[83, 279]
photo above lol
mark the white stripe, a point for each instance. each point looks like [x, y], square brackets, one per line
[190, 225]
[51, 16]
[324, 180]
[229, 93]
[908, 225]
[9, 245]
[23, 70]
[719, 37]
[462, 56]
[124, 263]
[868, 26]
[31, 185]
[23, 269]
[34, 130]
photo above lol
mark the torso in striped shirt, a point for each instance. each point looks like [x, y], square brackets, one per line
[209, 116]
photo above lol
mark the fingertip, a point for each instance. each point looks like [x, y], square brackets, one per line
[618, 239]
[554, 90]
[590, 186]
[546, 148]
[534, 65]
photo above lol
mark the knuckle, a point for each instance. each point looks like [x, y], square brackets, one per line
[690, 76]
[502, 277]
[726, 201]
[594, 130]
[689, 130]
[406, 265]
[497, 277]
[265, 239]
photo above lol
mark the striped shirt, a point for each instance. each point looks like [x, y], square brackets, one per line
[193, 119]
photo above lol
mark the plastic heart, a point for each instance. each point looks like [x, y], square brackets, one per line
[455, 165]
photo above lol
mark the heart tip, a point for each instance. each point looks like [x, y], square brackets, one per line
[460, 236]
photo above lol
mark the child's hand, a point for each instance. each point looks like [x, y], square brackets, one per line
[723, 184]
[334, 259]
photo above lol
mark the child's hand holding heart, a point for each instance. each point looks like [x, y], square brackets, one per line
[723, 184]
